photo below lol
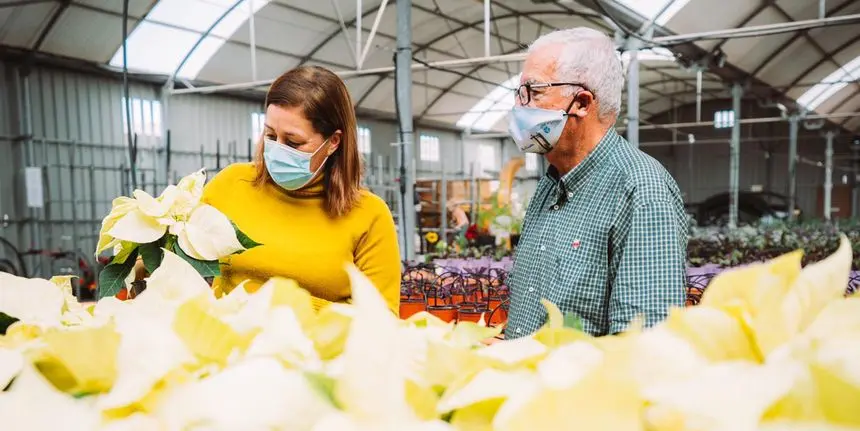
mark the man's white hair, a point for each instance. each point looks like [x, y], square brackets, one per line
[588, 57]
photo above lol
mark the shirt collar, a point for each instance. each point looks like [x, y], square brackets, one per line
[592, 162]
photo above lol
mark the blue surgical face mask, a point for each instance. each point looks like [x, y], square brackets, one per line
[536, 130]
[289, 167]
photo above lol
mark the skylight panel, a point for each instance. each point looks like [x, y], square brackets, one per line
[661, 11]
[198, 59]
[172, 28]
[156, 48]
[196, 15]
[492, 108]
[830, 85]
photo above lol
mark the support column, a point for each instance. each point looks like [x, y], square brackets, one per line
[855, 172]
[633, 93]
[828, 176]
[403, 74]
[29, 158]
[699, 94]
[486, 28]
[253, 39]
[443, 207]
[792, 164]
[735, 156]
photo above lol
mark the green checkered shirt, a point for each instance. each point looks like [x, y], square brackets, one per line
[607, 241]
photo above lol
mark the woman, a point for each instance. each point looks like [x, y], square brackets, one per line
[301, 197]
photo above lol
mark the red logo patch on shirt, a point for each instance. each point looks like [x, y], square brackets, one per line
[576, 244]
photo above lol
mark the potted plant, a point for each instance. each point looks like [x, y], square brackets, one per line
[143, 227]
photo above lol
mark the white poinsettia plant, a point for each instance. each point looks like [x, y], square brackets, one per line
[176, 221]
[771, 347]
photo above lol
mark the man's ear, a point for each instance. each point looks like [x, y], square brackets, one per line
[334, 142]
[583, 104]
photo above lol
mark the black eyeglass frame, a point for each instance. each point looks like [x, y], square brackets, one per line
[518, 93]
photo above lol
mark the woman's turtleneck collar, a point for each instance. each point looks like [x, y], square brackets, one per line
[314, 189]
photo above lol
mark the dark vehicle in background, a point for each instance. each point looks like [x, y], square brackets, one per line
[752, 207]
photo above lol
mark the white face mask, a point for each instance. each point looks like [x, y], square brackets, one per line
[536, 130]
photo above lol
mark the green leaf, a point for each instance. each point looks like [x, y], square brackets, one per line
[245, 240]
[5, 322]
[112, 277]
[152, 254]
[206, 268]
[572, 320]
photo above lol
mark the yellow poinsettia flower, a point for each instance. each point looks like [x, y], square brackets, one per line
[553, 333]
[606, 397]
[371, 388]
[32, 403]
[330, 331]
[818, 394]
[817, 285]
[34, 301]
[282, 337]
[726, 396]
[256, 393]
[771, 279]
[716, 334]
[11, 363]
[80, 360]
[207, 337]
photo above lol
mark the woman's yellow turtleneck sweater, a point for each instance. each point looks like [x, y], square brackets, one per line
[301, 242]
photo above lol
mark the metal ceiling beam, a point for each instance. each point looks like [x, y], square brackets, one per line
[690, 52]
[37, 46]
[463, 26]
[23, 3]
[764, 5]
[309, 56]
[419, 47]
[793, 39]
[593, 18]
[823, 60]
[58, 12]
[826, 55]
[846, 100]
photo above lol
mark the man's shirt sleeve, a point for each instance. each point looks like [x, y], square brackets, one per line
[651, 257]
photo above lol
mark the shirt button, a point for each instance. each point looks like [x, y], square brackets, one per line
[518, 330]
[570, 194]
[555, 207]
[531, 289]
[543, 248]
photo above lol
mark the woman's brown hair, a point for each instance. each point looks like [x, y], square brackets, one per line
[325, 101]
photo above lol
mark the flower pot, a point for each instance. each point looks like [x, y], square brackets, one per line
[457, 298]
[447, 313]
[436, 301]
[411, 306]
[498, 312]
[494, 302]
[471, 314]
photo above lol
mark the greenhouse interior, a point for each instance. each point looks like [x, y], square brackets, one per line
[430, 215]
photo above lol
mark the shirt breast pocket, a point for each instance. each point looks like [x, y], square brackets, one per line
[580, 279]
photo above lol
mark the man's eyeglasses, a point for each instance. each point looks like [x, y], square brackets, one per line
[524, 91]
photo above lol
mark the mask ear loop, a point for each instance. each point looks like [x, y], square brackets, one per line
[572, 101]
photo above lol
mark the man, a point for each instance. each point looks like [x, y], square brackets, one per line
[605, 234]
